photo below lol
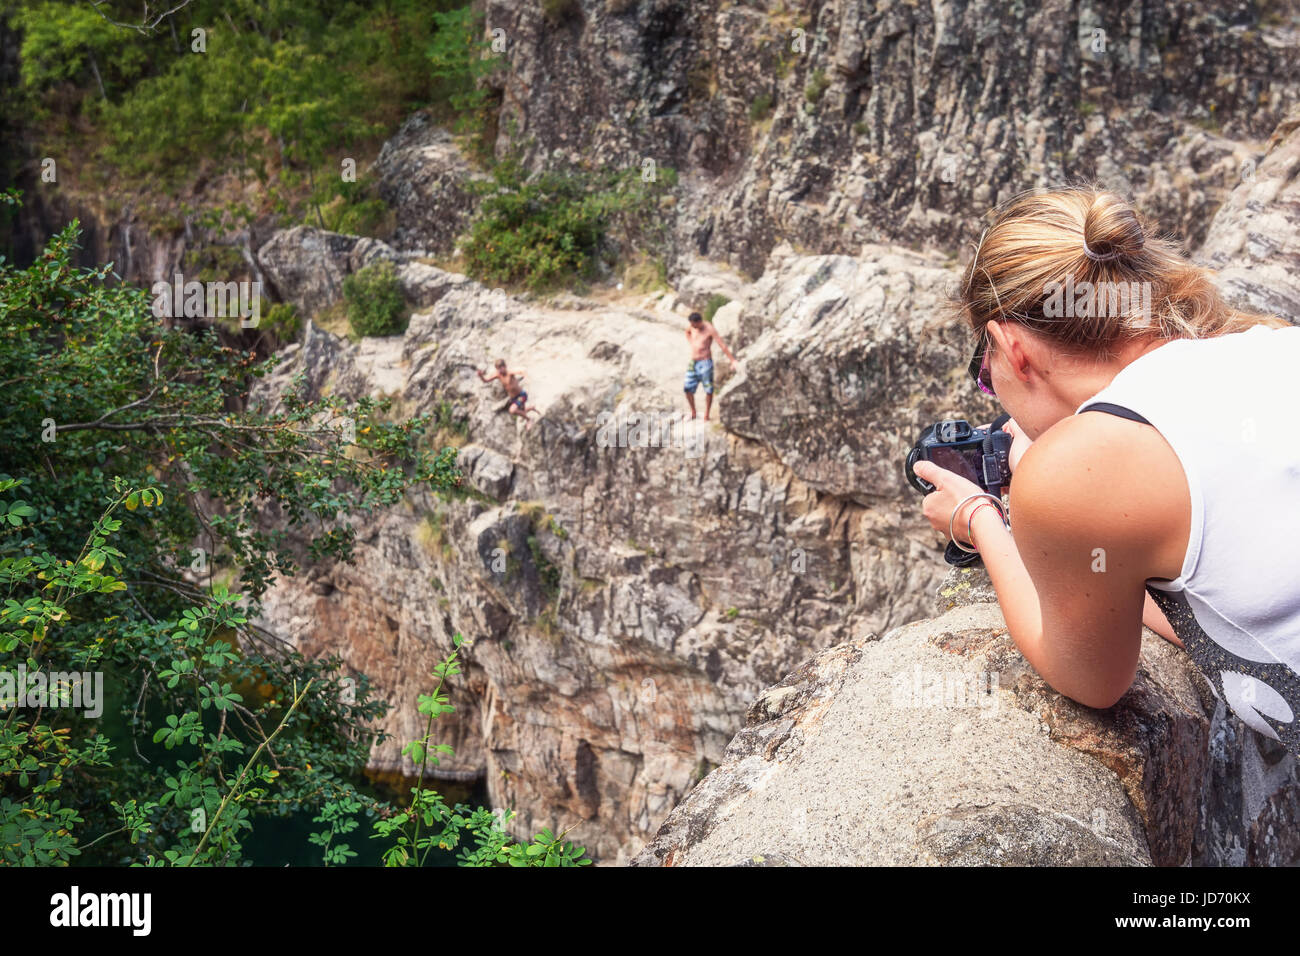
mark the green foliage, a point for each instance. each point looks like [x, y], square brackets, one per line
[63, 42]
[352, 208]
[551, 228]
[429, 823]
[761, 107]
[129, 446]
[446, 419]
[282, 91]
[714, 303]
[459, 61]
[818, 81]
[546, 570]
[282, 319]
[337, 814]
[374, 300]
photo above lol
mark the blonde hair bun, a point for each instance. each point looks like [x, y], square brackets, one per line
[1111, 229]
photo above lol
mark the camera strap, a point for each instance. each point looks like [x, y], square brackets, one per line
[958, 558]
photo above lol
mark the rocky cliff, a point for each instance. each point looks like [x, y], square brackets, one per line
[629, 593]
[633, 584]
[830, 123]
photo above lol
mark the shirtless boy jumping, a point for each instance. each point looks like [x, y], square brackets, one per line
[701, 335]
[518, 403]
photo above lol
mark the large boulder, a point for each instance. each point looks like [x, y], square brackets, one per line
[937, 744]
[306, 266]
[855, 356]
[421, 173]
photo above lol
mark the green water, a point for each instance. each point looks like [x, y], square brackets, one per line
[281, 841]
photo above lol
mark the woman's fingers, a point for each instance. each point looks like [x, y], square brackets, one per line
[927, 471]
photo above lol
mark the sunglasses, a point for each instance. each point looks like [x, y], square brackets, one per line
[979, 366]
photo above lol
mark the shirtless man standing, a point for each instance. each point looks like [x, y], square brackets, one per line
[518, 403]
[701, 335]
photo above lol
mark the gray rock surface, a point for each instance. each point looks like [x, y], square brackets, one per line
[937, 745]
[421, 174]
[1254, 240]
[891, 121]
[307, 266]
[855, 355]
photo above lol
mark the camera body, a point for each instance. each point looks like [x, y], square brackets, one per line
[981, 455]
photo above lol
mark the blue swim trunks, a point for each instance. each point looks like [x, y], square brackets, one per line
[519, 401]
[700, 372]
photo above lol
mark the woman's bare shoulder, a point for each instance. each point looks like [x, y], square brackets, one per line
[1113, 473]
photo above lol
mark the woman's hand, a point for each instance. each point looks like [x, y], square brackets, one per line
[1020, 442]
[949, 488]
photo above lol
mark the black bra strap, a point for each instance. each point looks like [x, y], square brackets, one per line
[1119, 410]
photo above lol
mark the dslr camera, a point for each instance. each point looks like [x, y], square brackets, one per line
[980, 455]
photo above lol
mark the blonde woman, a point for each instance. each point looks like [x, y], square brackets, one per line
[1156, 460]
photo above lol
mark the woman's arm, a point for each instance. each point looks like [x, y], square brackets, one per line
[1001, 551]
[1016, 592]
[1083, 637]
[1090, 507]
[1099, 505]
[1155, 619]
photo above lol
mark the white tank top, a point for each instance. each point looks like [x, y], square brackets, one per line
[1228, 407]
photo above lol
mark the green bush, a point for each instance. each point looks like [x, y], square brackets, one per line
[761, 107]
[550, 229]
[716, 301]
[100, 574]
[374, 300]
[283, 320]
[817, 84]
